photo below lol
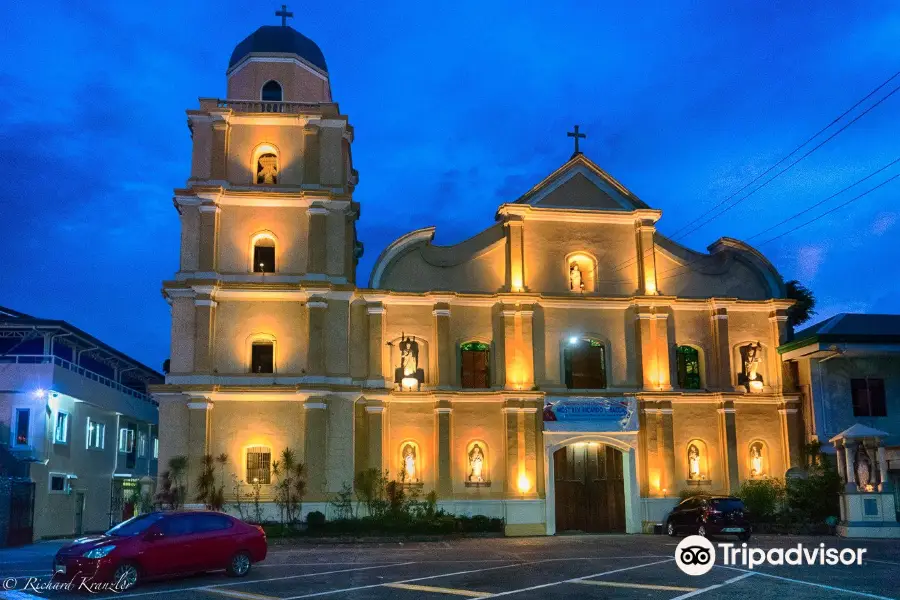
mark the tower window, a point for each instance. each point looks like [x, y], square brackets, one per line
[475, 359]
[262, 357]
[688, 367]
[585, 364]
[271, 92]
[264, 256]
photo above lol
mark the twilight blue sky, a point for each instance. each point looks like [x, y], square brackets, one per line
[457, 109]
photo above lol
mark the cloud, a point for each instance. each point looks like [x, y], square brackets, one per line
[809, 259]
[883, 222]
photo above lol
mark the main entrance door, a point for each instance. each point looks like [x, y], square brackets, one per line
[590, 488]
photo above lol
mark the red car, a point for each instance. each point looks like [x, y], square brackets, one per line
[158, 544]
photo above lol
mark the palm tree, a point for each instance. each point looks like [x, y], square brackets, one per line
[804, 306]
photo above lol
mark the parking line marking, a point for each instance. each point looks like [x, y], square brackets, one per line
[242, 595]
[375, 585]
[818, 585]
[574, 579]
[249, 581]
[437, 590]
[714, 587]
[638, 586]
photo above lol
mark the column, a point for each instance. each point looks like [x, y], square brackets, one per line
[515, 244]
[316, 444]
[331, 162]
[841, 463]
[530, 454]
[209, 228]
[512, 451]
[790, 435]
[661, 331]
[311, 154]
[218, 167]
[654, 468]
[376, 345]
[526, 345]
[884, 480]
[730, 446]
[721, 350]
[199, 413]
[513, 377]
[850, 461]
[316, 253]
[374, 423]
[442, 414]
[443, 347]
[204, 334]
[645, 332]
[667, 441]
[647, 265]
[315, 361]
[633, 523]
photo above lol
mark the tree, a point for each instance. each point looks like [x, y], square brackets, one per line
[804, 306]
[172, 488]
[291, 486]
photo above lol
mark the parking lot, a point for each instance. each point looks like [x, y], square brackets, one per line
[612, 566]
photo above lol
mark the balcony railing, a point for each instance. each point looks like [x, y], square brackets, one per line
[45, 359]
[260, 106]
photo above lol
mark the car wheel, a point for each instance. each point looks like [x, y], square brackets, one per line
[239, 565]
[744, 537]
[701, 530]
[670, 529]
[126, 576]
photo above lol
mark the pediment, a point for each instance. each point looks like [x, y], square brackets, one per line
[581, 184]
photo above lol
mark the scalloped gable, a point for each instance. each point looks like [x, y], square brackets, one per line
[581, 184]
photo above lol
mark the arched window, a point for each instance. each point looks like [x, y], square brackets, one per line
[585, 364]
[688, 364]
[697, 460]
[262, 357]
[271, 92]
[263, 254]
[259, 465]
[475, 360]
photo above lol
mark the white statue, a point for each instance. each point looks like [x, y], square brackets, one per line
[693, 462]
[476, 464]
[267, 170]
[863, 468]
[756, 466]
[575, 282]
[409, 463]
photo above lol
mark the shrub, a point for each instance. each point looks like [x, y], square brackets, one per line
[762, 497]
[315, 520]
[690, 492]
[815, 498]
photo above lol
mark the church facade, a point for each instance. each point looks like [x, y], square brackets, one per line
[567, 368]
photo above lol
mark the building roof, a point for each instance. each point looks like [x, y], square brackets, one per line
[848, 328]
[12, 320]
[279, 39]
[857, 432]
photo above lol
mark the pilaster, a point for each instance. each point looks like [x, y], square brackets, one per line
[790, 435]
[199, 416]
[442, 414]
[441, 325]
[316, 444]
[375, 312]
[647, 265]
[721, 349]
[652, 332]
[512, 451]
[316, 253]
[729, 445]
[204, 334]
[515, 244]
[311, 154]
[778, 333]
[667, 442]
[218, 168]
[509, 347]
[209, 237]
[375, 425]
[316, 348]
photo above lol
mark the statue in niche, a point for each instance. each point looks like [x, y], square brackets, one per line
[693, 462]
[756, 459]
[751, 358]
[408, 375]
[267, 169]
[476, 464]
[863, 468]
[576, 283]
[409, 463]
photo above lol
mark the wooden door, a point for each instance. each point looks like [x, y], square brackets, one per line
[590, 489]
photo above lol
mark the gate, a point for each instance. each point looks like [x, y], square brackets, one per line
[590, 488]
[21, 513]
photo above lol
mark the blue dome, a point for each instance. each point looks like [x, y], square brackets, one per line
[279, 39]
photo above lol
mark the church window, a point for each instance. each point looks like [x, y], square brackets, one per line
[262, 357]
[264, 255]
[267, 169]
[271, 92]
[585, 364]
[688, 362]
[259, 465]
[868, 397]
[475, 364]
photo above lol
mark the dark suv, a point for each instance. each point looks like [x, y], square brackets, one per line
[710, 515]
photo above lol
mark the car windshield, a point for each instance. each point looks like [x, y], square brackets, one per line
[728, 504]
[135, 525]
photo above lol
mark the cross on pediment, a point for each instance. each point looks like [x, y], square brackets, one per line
[284, 14]
[575, 134]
